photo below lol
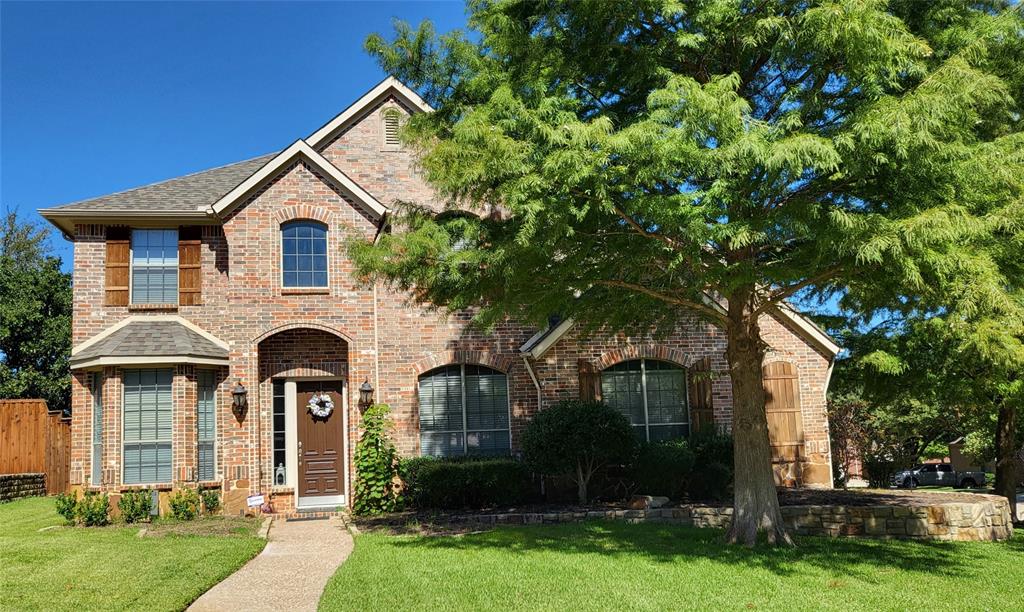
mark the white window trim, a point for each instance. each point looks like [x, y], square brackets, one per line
[643, 393]
[131, 266]
[465, 418]
[280, 254]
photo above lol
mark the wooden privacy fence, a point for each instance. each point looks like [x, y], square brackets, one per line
[32, 440]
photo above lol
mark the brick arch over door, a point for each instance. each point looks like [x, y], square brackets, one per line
[785, 422]
[502, 363]
[303, 350]
[281, 327]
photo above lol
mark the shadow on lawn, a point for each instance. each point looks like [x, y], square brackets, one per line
[673, 544]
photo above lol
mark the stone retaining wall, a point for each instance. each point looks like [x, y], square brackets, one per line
[986, 519]
[14, 486]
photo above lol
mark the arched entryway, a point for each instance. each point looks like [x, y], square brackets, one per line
[304, 397]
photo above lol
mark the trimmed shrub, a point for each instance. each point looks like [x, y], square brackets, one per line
[452, 483]
[211, 500]
[664, 468]
[93, 510]
[66, 507]
[135, 506]
[711, 478]
[578, 438]
[185, 504]
[376, 462]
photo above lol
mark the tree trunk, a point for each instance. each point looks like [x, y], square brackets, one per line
[755, 500]
[581, 484]
[1006, 461]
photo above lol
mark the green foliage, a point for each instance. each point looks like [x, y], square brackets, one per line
[376, 462]
[93, 509]
[65, 504]
[628, 159]
[663, 468]
[713, 473]
[185, 504]
[211, 500]
[451, 483]
[35, 317]
[577, 438]
[135, 506]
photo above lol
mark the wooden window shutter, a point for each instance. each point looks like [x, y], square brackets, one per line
[785, 423]
[702, 410]
[590, 381]
[118, 259]
[190, 266]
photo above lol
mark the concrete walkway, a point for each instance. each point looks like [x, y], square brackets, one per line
[290, 573]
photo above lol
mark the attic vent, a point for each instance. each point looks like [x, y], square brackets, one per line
[391, 120]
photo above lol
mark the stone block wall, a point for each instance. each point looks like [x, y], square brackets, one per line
[986, 519]
[16, 486]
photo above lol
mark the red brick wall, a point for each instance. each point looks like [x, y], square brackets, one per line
[353, 329]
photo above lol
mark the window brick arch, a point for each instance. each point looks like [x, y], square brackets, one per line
[502, 363]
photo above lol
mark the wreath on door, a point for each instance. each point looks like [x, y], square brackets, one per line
[320, 405]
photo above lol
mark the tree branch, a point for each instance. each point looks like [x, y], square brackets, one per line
[701, 308]
[790, 290]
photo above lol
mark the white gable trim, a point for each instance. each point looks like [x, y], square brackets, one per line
[140, 318]
[388, 87]
[809, 331]
[298, 149]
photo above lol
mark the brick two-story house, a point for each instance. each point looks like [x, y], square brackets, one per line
[189, 290]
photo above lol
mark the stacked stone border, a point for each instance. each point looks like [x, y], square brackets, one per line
[16, 486]
[986, 519]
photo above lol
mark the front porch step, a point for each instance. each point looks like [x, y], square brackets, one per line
[309, 515]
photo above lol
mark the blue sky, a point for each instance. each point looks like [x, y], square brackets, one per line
[101, 97]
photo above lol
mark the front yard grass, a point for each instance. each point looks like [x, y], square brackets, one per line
[610, 566]
[110, 568]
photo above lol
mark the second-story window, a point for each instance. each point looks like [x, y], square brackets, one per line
[154, 266]
[304, 254]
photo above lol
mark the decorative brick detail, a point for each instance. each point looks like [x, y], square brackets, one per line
[502, 363]
[302, 211]
[645, 351]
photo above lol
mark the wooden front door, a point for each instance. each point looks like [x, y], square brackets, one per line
[321, 441]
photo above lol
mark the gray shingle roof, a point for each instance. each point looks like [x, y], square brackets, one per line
[185, 193]
[156, 338]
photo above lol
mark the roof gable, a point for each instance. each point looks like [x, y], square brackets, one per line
[298, 150]
[386, 88]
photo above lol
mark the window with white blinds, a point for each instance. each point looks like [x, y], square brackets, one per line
[97, 429]
[464, 410]
[147, 424]
[206, 420]
[652, 394]
[154, 266]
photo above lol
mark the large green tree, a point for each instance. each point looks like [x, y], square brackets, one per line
[35, 316]
[959, 374]
[635, 164]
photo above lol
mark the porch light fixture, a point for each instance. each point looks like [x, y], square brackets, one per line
[238, 405]
[365, 394]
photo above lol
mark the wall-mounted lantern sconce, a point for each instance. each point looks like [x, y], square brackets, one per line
[365, 395]
[239, 403]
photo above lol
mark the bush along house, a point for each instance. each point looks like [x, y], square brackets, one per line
[221, 341]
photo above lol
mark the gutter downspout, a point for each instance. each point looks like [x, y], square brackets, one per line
[536, 383]
[828, 430]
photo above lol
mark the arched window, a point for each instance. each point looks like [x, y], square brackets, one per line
[464, 410]
[304, 254]
[390, 120]
[652, 394]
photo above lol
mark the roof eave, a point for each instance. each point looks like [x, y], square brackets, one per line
[65, 220]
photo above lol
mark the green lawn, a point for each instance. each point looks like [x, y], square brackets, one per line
[616, 566]
[109, 568]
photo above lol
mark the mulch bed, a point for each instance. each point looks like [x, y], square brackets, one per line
[439, 522]
[203, 526]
